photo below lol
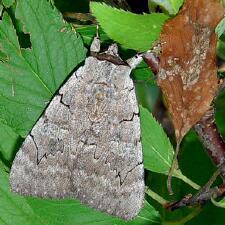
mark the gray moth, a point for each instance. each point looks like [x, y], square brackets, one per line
[86, 145]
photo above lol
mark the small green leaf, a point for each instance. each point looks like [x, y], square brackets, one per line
[30, 77]
[220, 27]
[132, 31]
[19, 210]
[157, 149]
[169, 6]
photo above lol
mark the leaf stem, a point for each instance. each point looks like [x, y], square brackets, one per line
[155, 196]
[187, 180]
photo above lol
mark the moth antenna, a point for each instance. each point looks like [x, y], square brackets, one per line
[172, 168]
[96, 44]
[97, 31]
[152, 60]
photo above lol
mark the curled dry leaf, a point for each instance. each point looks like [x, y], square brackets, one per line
[187, 70]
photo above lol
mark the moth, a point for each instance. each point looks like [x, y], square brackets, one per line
[86, 145]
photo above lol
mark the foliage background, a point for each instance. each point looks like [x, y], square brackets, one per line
[31, 39]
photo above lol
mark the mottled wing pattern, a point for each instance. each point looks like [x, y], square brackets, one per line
[87, 143]
[187, 74]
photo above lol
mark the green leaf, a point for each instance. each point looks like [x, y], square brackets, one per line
[72, 212]
[30, 77]
[8, 3]
[9, 141]
[18, 210]
[220, 27]
[132, 31]
[169, 6]
[157, 149]
[14, 209]
[143, 73]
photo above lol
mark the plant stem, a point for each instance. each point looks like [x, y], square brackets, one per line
[187, 180]
[212, 140]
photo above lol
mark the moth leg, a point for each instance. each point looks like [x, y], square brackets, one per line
[134, 61]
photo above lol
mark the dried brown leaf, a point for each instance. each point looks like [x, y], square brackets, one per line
[187, 73]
